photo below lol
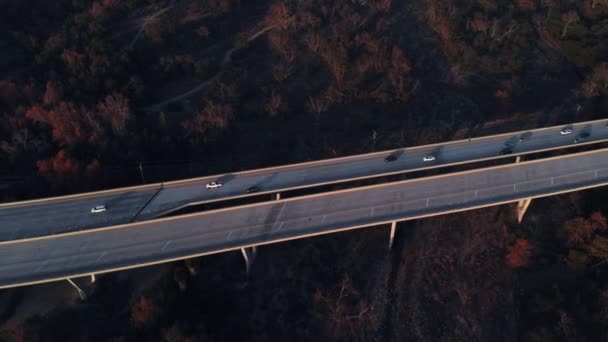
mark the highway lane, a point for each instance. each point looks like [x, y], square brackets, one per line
[182, 193]
[71, 215]
[162, 240]
[36, 218]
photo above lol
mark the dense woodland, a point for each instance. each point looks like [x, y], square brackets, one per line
[106, 93]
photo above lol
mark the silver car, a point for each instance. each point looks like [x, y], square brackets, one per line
[98, 209]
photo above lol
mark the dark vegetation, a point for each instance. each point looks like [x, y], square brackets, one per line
[98, 94]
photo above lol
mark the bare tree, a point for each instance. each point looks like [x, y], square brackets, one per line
[569, 18]
[311, 39]
[316, 106]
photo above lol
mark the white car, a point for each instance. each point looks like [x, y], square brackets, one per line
[428, 158]
[98, 209]
[565, 131]
[213, 185]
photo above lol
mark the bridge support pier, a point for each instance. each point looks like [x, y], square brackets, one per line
[277, 196]
[392, 236]
[522, 206]
[83, 285]
[249, 255]
[81, 293]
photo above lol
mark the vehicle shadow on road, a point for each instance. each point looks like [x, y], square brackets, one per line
[397, 153]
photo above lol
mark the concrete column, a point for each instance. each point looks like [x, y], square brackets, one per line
[277, 196]
[392, 236]
[522, 206]
[249, 255]
[81, 293]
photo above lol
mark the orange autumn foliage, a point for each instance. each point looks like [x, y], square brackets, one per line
[519, 254]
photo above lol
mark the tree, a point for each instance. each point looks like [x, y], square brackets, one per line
[312, 41]
[8, 92]
[279, 42]
[144, 312]
[599, 220]
[488, 5]
[526, 5]
[589, 89]
[52, 94]
[213, 116]
[65, 121]
[596, 83]
[400, 68]
[519, 254]
[115, 109]
[578, 231]
[275, 104]
[175, 334]
[279, 16]
[316, 106]
[600, 75]
[61, 166]
[16, 331]
[344, 311]
[569, 18]
[504, 97]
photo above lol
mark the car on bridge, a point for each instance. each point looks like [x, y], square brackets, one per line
[98, 209]
[581, 137]
[213, 185]
[252, 189]
[565, 131]
[428, 158]
[525, 137]
[390, 158]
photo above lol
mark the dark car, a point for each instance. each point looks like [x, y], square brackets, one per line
[506, 150]
[390, 158]
[252, 189]
[525, 137]
[581, 137]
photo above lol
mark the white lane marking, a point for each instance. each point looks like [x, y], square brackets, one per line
[281, 226]
[42, 265]
[325, 216]
[229, 236]
[101, 256]
[370, 214]
[165, 246]
[427, 202]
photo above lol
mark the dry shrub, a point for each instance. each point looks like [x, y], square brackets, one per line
[519, 254]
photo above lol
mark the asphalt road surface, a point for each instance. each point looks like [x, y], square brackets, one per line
[137, 244]
[37, 218]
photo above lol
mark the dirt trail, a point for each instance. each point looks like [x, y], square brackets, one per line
[225, 61]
